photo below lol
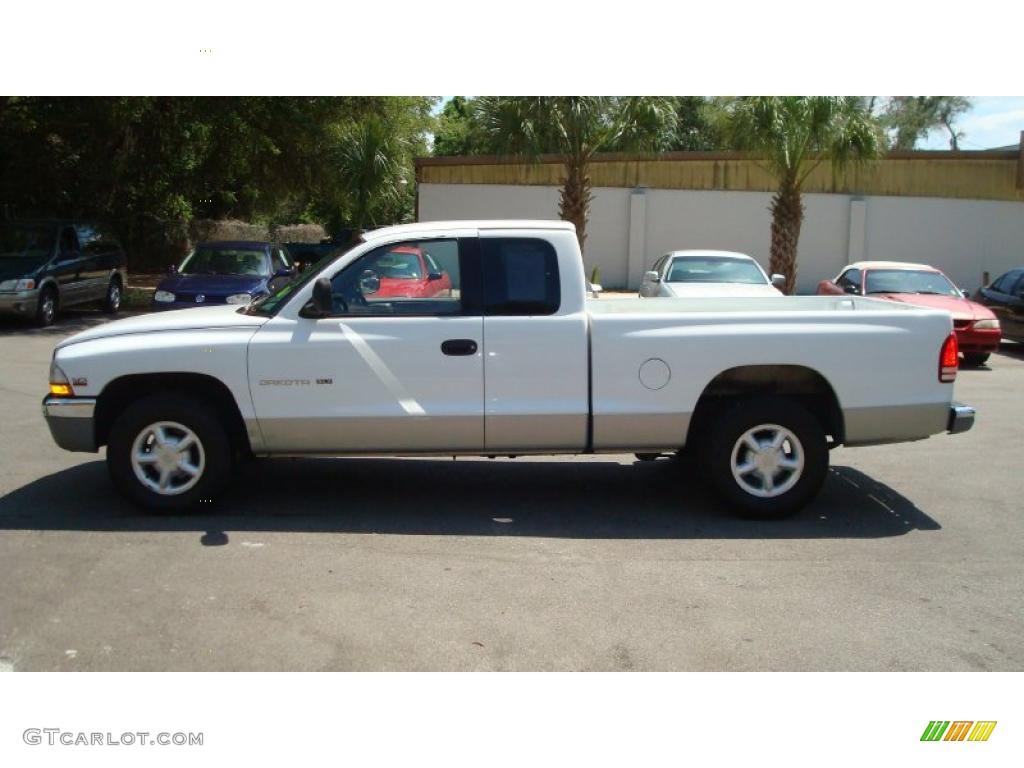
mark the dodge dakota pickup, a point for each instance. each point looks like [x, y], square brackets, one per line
[512, 358]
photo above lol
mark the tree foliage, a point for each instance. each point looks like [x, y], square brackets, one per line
[150, 165]
[457, 131]
[791, 136]
[691, 124]
[911, 118]
[575, 127]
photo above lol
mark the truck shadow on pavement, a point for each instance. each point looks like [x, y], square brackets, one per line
[558, 499]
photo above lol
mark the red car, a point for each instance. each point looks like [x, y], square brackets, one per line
[410, 273]
[977, 328]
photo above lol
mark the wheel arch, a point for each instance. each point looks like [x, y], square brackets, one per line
[125, 390]
[797, 382]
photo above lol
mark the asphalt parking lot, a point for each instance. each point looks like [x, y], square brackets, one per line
[911, 559]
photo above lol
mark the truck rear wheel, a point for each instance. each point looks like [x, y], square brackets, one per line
[169, 452]
[766, 457]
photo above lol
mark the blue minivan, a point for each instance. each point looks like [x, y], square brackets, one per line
[224, 272]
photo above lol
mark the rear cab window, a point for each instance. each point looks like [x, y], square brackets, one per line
[520, 276]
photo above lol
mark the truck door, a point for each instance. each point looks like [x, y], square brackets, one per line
[535, 346]
[397, 367]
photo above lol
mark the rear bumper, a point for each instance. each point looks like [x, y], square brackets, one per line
[961, 418]
[72, 422]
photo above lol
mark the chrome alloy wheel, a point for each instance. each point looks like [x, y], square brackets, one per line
[168, 458]
[114, 296]
[49, 310]
[767, 460]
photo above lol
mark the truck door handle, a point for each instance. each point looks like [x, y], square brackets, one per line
[459, 347]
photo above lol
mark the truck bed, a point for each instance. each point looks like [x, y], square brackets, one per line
[653, 358]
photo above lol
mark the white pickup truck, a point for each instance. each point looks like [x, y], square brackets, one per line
[478, 338]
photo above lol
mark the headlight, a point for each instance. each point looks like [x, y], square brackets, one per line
[991, 324]
[59, 384]
[163, 296]
[239, 298]
[18, 285]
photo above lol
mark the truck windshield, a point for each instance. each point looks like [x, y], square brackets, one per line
[909, 281]
[272, 302]
[30, 241]
[712, 269]
[225, 261]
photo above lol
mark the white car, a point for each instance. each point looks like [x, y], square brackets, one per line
[683, 274]
[515, 359]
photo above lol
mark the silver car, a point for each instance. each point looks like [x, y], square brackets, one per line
[681, 274]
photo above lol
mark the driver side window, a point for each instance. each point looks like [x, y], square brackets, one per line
[850, 281]
[410, 278]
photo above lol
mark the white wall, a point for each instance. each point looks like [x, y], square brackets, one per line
[964, 238]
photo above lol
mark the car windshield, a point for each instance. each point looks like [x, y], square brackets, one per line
[714, 269]
[272, 302]
[909, 281]
[400, 265]
[226, 261]
[30, 241]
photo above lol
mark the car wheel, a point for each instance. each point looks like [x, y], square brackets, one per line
[975, 359]
[46, 309]
[169, 452]
[112, 301]
[766, 457]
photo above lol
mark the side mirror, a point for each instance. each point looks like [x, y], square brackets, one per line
[778, 280]
[851, 288]
[651, 277]
[369, 282]
[595, 290]
[434, 276]
[284, 272]
[172, 269]
[322, 304]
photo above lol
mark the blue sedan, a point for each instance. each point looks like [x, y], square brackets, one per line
[224, 273]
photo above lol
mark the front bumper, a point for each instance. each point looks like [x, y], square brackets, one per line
[22, 303]
[973, 340]
[72, 422]
[961, 418]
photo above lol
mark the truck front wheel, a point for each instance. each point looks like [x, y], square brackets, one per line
[169, 452]
[766, 457]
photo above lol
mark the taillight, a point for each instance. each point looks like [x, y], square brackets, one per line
[949, 357]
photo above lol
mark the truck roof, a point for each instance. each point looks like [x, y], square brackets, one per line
[443, 226]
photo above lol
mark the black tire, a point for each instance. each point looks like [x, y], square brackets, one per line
[47, 307]
[192, 413]
[975, 359]
[724, 436]
[111, 302]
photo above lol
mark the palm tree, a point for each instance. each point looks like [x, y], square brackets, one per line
[575, 127]
[369, 163]
[791, 136]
